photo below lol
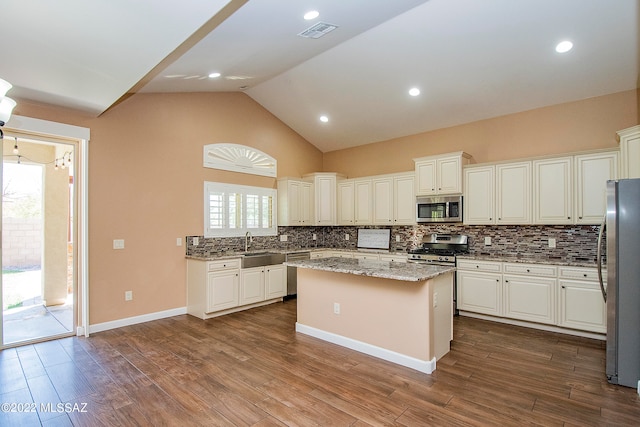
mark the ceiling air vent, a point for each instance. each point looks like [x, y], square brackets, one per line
[318, 30]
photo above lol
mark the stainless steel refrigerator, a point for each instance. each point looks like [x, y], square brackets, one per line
[623, 282]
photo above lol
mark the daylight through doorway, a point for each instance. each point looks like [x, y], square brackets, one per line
[37, 241]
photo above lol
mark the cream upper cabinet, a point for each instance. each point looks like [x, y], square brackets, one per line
[325, 210]
[355, 202]
[479, 195]
[553, 191]
[440, 174]
[383, 201]
[363, 207]
[592, 173]
[346, 202]
[404, 199]
[295, 202]
[513, 193]
[630, 152]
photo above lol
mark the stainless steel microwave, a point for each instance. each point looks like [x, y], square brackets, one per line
[439, 209]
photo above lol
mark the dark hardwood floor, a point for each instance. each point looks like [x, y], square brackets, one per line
[252, 369]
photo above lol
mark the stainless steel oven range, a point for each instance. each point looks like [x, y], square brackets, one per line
[441, 249]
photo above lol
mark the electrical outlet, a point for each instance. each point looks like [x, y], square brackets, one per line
[118, 244]
[315, 236]
[178, 241]
[128, 295]
[346, 237]
[195, 241]
[397, 237]
[552, 243]
[336, 308]
[284, 237]
[487, 241]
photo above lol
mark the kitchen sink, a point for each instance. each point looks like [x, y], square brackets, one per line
[259, 259]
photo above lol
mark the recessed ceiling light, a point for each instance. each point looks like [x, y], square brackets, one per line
[414, 91]
[312, 14]
[324, 119]
[214, 75]
[564, 46]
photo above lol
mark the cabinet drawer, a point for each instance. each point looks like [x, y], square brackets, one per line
[578, 273]
[493, 267]
[226, 264]
[531, 269]
[393, 258]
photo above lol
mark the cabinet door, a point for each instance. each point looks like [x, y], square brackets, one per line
[630, 152]
[251, 285]
[363, 202]
[275, 281]
[479, 195]
[514, 193]
[530, 298]
[305, 209]
[582, 306]
[383, 201]
[592, 173]
[346, 203]
[480, 292]
[294, 190]
[222, 290]
[553, 191]
[325, 200]
[449, 175]
[426, 177]
[404, 200]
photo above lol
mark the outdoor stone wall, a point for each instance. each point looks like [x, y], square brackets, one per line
[21, 243]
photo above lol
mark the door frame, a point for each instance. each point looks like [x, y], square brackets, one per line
[80, 135]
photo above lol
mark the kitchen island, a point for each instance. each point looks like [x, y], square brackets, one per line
[400, 312]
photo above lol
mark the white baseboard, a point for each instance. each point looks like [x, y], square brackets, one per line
[426, 366]
[99, 327]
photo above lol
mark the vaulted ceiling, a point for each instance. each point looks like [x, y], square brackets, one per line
[470, 59]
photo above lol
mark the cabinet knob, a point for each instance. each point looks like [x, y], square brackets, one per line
[490, 219]
[506, 281]
[477, 266]
[497, 280]
[528, 271]
[568, 217]
[563, 287]
[579, 217]
[439, 189]
[585, 274]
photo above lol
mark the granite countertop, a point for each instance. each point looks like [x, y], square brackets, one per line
[408, 272]
[527, 260]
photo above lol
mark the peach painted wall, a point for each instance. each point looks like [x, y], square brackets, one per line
[575, 126]
[146, 186]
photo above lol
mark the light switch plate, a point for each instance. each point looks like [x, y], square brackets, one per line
[284, 237]
[178, 241]
[315, 236]
[487, 241]
[195, 241]
[118, 244]
[397, 237]
[552, 242]
[346, 237]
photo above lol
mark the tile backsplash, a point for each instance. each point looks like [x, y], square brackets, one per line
[575, 243]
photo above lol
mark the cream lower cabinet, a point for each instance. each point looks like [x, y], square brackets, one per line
[568, 297]
[581, 305]
[251, 285]
[212, 286]
[275, 281]
[479, 287]
[262, 283]
[480, 292]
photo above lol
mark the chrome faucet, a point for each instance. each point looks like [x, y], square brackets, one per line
[248, 240]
